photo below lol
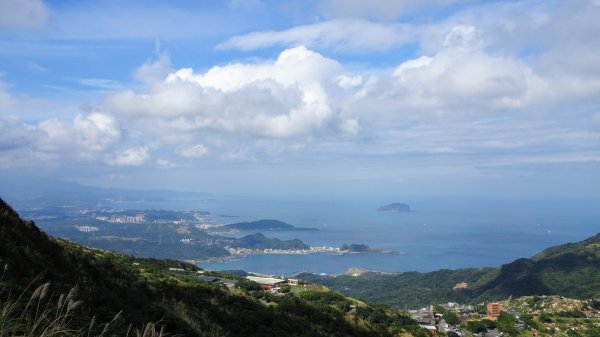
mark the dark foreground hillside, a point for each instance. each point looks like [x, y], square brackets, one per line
[145, 290]
[571, 270]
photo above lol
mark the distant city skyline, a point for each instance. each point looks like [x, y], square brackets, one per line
[303, 97]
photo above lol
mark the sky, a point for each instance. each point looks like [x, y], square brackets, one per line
[303, 96]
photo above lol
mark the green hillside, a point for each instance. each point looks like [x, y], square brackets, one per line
[147, 290]
[571, 270]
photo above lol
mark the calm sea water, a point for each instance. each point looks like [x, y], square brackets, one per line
[438, 233]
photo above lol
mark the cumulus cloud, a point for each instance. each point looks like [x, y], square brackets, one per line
[86, 137]
[344, 35]
[283, 98]
[96, 131]
[464, 77]
[23, 13]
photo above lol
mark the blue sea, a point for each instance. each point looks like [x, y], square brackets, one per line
[439, 233]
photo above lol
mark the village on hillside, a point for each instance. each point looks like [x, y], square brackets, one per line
[529, 316]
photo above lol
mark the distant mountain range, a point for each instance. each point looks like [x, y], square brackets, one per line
[571, 270]
[44, 193]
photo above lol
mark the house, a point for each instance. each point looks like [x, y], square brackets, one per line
[493, 309]
[268, 283]
[225, 281]
[229, 283]
[209, 279]
[292, 281]
[431, 328]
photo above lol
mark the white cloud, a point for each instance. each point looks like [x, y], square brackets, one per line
[466, 80]
[472, 91]
[23, 13]
[96, 131]
[131, 157]
[195, 151]
[358, 36]
[85, 138]
[348, 82]
[155, 70]
[350, 126]
[284, 98]
[165, 164]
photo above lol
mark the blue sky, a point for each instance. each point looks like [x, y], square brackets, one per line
[336, 96]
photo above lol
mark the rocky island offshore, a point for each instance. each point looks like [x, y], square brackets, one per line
[395, 207]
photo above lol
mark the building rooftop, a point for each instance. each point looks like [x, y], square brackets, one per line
[265, 280]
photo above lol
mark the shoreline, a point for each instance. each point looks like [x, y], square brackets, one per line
[239, 253]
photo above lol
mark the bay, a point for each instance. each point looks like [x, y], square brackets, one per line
[438, 233]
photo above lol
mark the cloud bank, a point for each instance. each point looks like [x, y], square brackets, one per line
[483, 90]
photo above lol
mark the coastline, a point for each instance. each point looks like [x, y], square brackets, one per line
[239, 253]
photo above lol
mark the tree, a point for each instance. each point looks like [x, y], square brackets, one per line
[452, 318]
[506, 323]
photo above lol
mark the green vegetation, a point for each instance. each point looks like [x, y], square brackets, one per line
[506, 324]
[37, 313]
[259, 241]
[265, 224]
[569, 270]
[166, 292]
[480, 325]
[405, 290]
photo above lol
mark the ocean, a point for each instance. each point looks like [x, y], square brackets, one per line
[439, 232]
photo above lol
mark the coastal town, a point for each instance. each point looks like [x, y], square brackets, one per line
[529, 316]
[199, 236]
[240, 252]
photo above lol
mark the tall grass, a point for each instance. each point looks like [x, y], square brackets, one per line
[43, 314]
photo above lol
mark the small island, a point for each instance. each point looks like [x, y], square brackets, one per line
[266, 225]
[395, 207]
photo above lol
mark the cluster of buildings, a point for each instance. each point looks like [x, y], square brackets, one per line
[311, 250]
[87, 229]
[434, 321]
[138, 218]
